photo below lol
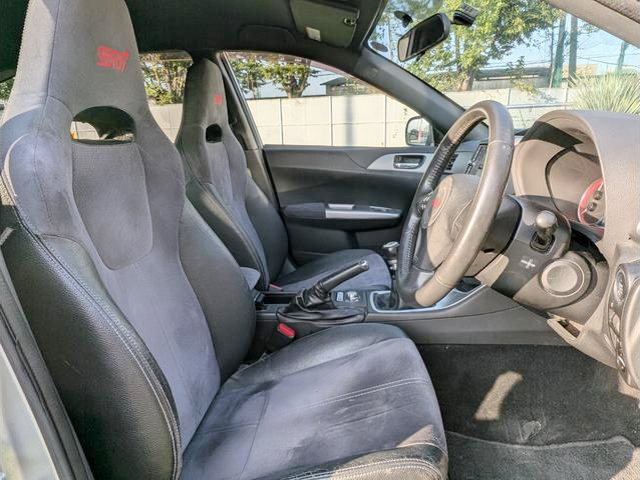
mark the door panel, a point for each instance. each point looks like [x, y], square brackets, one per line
[314, 184]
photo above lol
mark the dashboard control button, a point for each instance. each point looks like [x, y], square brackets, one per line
[620, 286]
[562, 278]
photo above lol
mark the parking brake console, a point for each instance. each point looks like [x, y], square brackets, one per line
[320, 293]
[313, 308]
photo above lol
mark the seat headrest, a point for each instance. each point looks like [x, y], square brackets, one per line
[83, 53]
[205, 102]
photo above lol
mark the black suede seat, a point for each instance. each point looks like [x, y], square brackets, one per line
[339, 393]
[144, 317]
[219, 186]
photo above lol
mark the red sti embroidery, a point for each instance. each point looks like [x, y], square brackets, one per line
[110, 58]
[217, 99]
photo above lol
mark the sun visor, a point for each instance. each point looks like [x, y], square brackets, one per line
[333, 23]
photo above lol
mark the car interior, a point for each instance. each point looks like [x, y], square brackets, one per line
[217, 307]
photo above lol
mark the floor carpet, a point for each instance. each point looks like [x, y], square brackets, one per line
[534, 412]
[472, 458]
[530, 395]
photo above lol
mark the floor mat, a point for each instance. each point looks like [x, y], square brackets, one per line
[472, 458]
[530, 395]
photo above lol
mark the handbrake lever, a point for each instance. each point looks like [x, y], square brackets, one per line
[320, 293]
[323, 287]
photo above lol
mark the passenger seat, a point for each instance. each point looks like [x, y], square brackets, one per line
[225, 195]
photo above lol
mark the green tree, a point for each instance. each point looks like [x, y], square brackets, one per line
[517, 72]
[290, 74]
[5, 89]
[164, 77]
[499, 28]
[250, 72]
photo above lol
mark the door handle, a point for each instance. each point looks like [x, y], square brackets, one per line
[408, 162]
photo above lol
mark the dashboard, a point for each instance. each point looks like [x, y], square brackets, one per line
[586, 166]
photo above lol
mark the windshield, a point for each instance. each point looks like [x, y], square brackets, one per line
[529, 56]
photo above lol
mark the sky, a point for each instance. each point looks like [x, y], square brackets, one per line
[599, 48]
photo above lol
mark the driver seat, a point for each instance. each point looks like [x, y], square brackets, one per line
[223, 192]
[143, 316]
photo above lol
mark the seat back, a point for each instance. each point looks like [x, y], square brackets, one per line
[218, 183]
[131, 297]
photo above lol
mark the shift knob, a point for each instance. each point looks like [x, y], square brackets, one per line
[546, 225]
[390, 252]
[546, 221]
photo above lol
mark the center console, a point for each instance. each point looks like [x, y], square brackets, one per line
[470, 314]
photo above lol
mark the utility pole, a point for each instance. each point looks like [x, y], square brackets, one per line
[573, 48]
[623, 49]
[556, 77]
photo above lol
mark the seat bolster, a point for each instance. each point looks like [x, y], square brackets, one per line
[87, 343]
[423, 461]
[221, 221]
[269, 226]
[315, 349]
[232, 322]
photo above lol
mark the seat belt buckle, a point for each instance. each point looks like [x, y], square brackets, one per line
[281, 336]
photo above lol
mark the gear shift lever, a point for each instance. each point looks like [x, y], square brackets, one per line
[390, 252]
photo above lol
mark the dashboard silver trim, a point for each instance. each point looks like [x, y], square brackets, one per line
[454, 297]
[339, 211]
[385, 163]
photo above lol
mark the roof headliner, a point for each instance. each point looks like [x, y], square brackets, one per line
[197, 25]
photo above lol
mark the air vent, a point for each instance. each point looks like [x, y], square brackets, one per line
[476, 163]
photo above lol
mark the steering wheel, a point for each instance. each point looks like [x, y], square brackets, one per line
[448, 220]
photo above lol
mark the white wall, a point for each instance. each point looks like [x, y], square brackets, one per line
[377, 120]
[361, 120]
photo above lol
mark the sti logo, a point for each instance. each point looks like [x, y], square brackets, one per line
[110, 58]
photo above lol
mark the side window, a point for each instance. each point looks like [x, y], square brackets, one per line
[295, 101]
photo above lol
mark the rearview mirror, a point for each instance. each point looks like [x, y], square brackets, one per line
[427, 34]
[419, 132]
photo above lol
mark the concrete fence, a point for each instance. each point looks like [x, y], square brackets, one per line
[358, 120]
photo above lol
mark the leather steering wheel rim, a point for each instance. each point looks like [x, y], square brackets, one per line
[418, 283]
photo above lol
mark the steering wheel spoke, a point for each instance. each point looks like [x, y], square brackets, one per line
[423, 277]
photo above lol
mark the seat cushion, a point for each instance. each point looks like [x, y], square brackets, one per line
[327, 402]
[376, 277]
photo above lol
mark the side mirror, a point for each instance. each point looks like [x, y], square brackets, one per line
[419, 132]
[425, 35]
